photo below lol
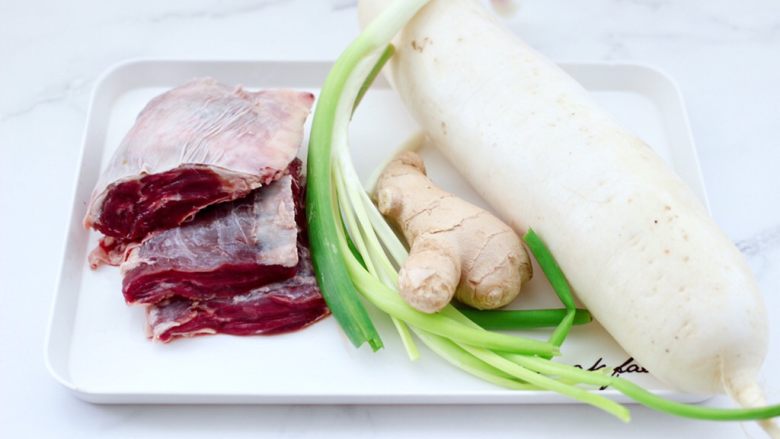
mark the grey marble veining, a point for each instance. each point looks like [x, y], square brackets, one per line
[225, 10]
[761, 242]
[54, 93]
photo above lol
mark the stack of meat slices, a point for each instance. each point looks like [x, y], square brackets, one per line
[201, 207]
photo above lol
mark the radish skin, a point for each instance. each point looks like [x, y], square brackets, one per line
[639, 249]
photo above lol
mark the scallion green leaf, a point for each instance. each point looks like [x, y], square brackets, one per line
[524, 318]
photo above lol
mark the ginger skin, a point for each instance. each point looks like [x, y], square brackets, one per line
[456, 248]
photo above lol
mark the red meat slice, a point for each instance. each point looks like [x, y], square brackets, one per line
[198, 144]
[228, 249]
[280, 307]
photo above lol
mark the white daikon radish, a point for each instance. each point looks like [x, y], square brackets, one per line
[638, 247]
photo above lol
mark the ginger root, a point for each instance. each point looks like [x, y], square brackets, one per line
[456, 248]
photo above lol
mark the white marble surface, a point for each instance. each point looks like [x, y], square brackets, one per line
[724, 54]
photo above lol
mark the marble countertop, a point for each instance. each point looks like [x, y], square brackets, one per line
[724, 54]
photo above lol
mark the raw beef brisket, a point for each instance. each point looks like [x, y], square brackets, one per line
[227, 249]
[275, 308]
[198, 144]
[202, 208]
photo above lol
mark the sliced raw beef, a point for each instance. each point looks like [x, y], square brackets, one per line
[279, 307]
[227, 249]
[198, 144]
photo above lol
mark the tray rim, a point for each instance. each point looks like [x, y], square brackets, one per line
[498, 396]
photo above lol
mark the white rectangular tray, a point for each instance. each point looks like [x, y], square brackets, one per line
[96, 345]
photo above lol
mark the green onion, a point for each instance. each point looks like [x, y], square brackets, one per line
[378, 264]
[563, 328]
[524, 318]
[550, 268]
[332, 276]
[558, 281]
[321, 205]
[553, 384]
[457, 356]
[386, 55]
